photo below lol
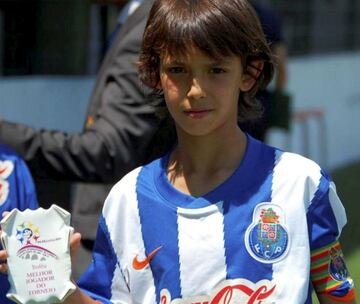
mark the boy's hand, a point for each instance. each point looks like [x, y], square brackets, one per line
[75, 239]
[3, 265]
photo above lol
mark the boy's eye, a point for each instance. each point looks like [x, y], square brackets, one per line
[217, 71]
[176, 70]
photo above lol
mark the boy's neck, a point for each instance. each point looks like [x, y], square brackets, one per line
[197, 166]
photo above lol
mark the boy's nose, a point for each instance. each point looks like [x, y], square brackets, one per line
[196, 90]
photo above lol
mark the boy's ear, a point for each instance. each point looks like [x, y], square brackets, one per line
[251, 74]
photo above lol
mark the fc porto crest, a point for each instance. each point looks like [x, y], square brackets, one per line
[337, 266]
[267, 239]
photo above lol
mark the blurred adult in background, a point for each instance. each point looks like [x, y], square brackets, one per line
[118, 128]
[272, 28]
[17, 190]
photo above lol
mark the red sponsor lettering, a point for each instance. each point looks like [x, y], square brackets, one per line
[225, 295]
[240, 292]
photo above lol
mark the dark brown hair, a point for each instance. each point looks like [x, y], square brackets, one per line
[216, 27]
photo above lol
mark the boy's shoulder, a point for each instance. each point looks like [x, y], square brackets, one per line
[298, 178]
[296, 163]
[295, 169]
[292, 163]
[293, 166]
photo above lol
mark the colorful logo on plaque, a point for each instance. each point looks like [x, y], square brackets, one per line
[267, 239]
[28, 235]
[337, 266]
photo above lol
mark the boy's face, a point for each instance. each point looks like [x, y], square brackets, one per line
[202, 93]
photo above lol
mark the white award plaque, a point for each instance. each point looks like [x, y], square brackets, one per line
[37, 244]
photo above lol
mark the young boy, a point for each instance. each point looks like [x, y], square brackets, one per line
[16, 191]
[221, 218]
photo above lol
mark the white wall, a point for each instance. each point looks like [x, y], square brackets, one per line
[46, 102]
[331, 83]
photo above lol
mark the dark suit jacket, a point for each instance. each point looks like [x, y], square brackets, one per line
[119, 121]
[120, 124]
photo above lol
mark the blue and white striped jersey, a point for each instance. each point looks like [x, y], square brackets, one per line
[247, 241]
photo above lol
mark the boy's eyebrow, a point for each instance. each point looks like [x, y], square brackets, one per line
[173, 62]
[218, 63]
[214, 62]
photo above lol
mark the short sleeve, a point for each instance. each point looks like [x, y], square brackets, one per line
[326, 218]
[104, 280]
[326, 215]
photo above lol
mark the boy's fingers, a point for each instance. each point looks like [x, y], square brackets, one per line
[75, 239]
[3, 265]
[5, 213]
[3, 268]
[75, 243]
[3, 255]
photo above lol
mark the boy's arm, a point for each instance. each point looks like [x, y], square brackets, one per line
[79, 297]
[330, 276]
[326, 217]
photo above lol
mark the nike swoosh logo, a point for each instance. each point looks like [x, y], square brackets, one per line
[139, 265]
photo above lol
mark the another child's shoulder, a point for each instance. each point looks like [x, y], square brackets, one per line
[9, 161]
[7, 153]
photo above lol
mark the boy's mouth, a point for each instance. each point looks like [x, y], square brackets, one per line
[198, 113]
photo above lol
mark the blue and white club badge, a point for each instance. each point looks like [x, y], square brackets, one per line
[337, 266]
[267, 238]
